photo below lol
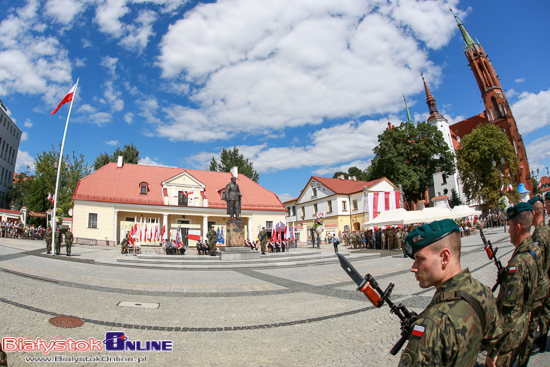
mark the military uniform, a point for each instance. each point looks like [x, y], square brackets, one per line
[263, 240]
[124, 245]
[542, 237]
[48, 239]
[449, 332]
[68, 242]
[515, 299]
[212, 240]
[57, 242]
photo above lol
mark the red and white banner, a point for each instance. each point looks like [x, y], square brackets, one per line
[68, 97]
[381, 201]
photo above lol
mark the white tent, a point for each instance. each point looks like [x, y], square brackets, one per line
[461, 211]
[434, 213]
[395, 217]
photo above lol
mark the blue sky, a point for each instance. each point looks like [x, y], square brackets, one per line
[301, 87]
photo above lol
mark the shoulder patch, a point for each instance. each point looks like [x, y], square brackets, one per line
[512, 270]
[418, 331]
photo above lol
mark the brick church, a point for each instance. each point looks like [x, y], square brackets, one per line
[497, 110]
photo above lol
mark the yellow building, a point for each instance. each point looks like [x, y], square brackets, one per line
[107, 202]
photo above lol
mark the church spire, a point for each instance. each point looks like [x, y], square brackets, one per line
[409, 118]
[468, 40]
[430, 101]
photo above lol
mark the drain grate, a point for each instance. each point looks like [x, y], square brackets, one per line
[66, 321]
[138, 304]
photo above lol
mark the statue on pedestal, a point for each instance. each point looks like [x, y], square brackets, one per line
[233, 197]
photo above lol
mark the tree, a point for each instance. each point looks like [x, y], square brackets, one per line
[409, 155]
[232, 158]
[130, 154]
[481, 168]
[19, 189]
[72, 170]
[455, 199]
[352, 171]
[536, 189]
[37, 200]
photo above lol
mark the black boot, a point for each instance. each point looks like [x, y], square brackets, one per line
[539, 345]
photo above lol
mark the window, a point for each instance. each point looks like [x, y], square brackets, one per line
[129, 219]
[314, 191]
[143, 188]
[183, 198]
[303, 211]
[344, 206]
[314, 209]
[268, 224]
[354, 203]
[92, 220]
[329, 206]
[444, 179]
[293, 210]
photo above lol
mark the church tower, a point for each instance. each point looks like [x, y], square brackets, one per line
[497, 109]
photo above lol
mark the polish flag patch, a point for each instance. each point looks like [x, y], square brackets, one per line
[418, 330]
[512, 270]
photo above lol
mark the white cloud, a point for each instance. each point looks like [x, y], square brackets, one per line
[112, 142]
[285, 197]
[24, 159]
[519, 80]
[362, 165]
[24, 136]
[110, 63]
[151, 162]
[138, 35]
[129, 118]
[28, 123]
[264, 66]
[112, 97]
[64, 11]
[538, 152]
[532, 111]
[99, 118]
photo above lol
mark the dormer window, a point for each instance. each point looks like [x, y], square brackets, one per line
[143, 188]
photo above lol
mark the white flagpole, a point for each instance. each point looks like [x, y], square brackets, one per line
[54, 213]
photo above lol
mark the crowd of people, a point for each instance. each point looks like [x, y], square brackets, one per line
[20, 230]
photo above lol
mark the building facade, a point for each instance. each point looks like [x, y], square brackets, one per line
[344, 203]
[10, 136]
[107, 202]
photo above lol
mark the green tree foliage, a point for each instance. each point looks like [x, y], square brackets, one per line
[19, 190]
[130, 154]
[352, 171]
[37, 199]
[409, 155]
[231, 158]
[482, 181]
[535, 183]
[455, 199]
[72, 170]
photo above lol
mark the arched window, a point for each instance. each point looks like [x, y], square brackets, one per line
[496, 107]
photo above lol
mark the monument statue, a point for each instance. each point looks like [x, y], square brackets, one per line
[233, 197]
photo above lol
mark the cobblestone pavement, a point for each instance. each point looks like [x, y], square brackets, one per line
[302, 316]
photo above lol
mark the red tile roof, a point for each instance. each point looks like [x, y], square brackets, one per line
[121, 185]
[465, 127]
[346, 187]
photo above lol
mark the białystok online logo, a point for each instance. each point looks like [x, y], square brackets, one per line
[114, 341]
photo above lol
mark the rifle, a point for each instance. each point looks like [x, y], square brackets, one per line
[369, 286]
[491, 254]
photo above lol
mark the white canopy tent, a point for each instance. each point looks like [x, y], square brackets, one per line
[403, 217]
[461, 211]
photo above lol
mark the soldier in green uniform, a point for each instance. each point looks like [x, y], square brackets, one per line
[57, 241]
[48, 239]
[263, 240]
[542, 236]
[212, 240]
[399, 239]
[68, 242]
[518, 289]
[462, 316]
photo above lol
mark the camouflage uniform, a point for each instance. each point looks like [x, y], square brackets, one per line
[57, 241]
[263, 240]
[449, 331]
[515, 299]
[212, 240]
[542, 236]
[48, 239]
[68, 242]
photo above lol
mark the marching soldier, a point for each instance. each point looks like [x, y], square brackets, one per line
[48, 239]
[518, 288]
[462, 315]
[68, 242]
[212, 240]
[542, 236]
[57, 241]
[263, 240]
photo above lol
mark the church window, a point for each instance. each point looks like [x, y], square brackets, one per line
[496, 107]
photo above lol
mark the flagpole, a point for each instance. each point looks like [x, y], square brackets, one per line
[56, 197]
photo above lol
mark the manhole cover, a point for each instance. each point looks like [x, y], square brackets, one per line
[66, 321]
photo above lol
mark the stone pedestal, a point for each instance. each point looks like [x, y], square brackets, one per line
[238, 253]
[235, 235]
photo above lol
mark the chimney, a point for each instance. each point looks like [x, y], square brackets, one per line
[341, 177]
[235, 171]
[353, 178]
[120, 162]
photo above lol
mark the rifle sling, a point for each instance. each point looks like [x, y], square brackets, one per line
[474, 303]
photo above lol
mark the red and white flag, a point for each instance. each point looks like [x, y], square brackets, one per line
[502, 188]
[510, 187]
[68, 97]
[418, 330]
[382, 201]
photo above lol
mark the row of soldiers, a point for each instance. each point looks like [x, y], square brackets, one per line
[382, 239]
[58, 235]
[463, 316]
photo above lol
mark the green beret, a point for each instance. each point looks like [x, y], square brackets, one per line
[534, 199]
[547, 196]
[427, 234]
[516, 210]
